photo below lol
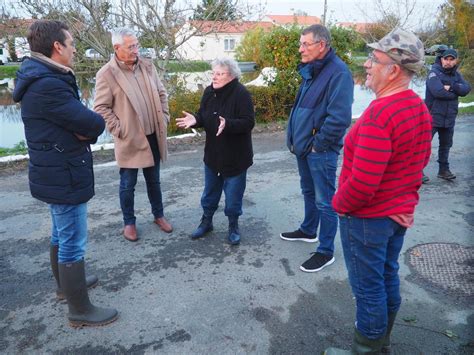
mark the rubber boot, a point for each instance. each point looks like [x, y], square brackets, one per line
[204, 227]
[91, 280]
[363, 345]
[234, 234]
[360, 345]
[386, 346]
[81, 311]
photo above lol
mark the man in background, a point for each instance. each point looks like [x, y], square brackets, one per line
[59, 130]
[133, 101]
[444, 85]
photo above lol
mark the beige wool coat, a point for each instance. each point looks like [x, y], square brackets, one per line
[117, 103]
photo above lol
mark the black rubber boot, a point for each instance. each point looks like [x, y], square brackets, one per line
[204, 227]
[234, 234]
[360, 345]
[81, 311]
[91, 280]
[363, 345]
[386, 346]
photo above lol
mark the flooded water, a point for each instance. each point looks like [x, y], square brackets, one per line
[11, 125]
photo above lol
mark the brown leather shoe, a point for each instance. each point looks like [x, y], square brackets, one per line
[164, 225]
[130, 232]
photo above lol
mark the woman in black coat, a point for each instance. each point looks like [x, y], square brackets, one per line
[227, 115]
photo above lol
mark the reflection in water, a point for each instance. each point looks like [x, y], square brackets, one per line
[11, 125]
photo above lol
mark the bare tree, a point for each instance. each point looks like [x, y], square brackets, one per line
[386, 15]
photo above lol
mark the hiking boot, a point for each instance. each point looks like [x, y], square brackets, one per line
[446, 175]
[425, 179]
[317, 262]
[204, 227]
[298, 235]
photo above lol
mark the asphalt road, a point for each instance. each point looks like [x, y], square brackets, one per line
[180, 296]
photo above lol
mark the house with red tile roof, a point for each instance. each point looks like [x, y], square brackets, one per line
[207, 40]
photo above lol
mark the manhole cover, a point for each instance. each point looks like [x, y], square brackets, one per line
[445, 265]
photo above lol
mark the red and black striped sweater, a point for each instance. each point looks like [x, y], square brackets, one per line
[384, 156]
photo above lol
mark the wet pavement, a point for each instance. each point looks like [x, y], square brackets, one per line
[175, 295]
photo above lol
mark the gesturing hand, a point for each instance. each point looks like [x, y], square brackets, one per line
[221, 125]
[187, 121]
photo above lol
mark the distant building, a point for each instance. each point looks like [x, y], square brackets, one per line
[289, 20]
[212, 39]
[360, 27]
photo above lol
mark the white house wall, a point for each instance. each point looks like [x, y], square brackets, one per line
[208, 47]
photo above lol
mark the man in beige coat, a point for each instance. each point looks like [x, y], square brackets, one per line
[133, 101]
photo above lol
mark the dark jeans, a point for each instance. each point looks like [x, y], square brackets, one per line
[233, 187]
[128, 180]
[318, 184]
[371, 249]
[445, 136]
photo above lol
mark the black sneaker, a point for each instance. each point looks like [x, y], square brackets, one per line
[425, 179]
[446, 175]
[298, 235]
[317, 262]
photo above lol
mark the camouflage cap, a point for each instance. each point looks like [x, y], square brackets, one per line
[403, 47]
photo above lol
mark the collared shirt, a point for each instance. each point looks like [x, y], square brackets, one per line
[136, 79]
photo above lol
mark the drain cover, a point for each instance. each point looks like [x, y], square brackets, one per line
[448, 266]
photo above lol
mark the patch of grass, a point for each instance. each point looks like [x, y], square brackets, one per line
[187, 66]
[466, 110]
[19, 148]
[8, 71]
[467, 98]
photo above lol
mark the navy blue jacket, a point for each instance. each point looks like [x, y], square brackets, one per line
[60, 166]
[443, 104]
[323, 106]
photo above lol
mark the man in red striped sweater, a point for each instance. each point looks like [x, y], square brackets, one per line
[384, 156]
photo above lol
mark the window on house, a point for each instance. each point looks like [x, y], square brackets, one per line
[229, 44]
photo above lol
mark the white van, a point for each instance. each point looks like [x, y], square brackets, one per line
[4, 56]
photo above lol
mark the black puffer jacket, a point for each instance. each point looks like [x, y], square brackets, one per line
[60, 167]
[443, 104]
[231, 152]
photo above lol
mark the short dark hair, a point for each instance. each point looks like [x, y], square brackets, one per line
[320, 33]
[43, 33]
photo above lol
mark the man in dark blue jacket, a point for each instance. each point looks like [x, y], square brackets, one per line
[317, 123]
[443, 87]
[59, 130]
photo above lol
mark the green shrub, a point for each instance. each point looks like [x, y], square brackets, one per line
[271, 104]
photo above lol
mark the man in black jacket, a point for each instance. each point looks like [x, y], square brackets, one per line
[59, 130]
[443, 87]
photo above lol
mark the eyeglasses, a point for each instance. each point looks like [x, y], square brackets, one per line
[219, 74]
[373, 59]
[133, 47]
[305, 45]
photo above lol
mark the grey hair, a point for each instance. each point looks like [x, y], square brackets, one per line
[119, 33]
[230, 64]
[320, 33]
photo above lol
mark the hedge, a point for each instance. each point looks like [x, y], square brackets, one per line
[271, 104]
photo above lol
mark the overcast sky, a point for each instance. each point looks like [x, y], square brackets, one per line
[353, 10]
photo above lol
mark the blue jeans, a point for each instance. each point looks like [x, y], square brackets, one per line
[371, 249]
[128, 180]
[445, 137]
[69, 231]
[233, 187]
[318, 184]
